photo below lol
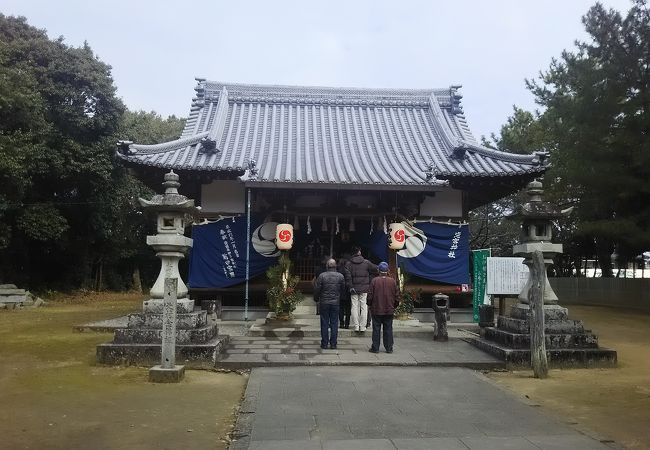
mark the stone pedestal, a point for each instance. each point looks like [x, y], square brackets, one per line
[159, 374]
[568, 343]
[140, 343]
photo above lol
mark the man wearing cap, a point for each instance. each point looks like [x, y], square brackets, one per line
[382, 300]
[357, 277]
[327, 292]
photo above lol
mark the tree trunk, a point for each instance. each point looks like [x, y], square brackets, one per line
[604, 253]
[136, 286]
[100, 276]
[536, 302]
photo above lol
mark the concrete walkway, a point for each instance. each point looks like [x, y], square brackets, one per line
[348, 408]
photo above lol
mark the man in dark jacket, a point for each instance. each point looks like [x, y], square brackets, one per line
[382, 299]
[327, 292]
[357, 277]
[344, 310]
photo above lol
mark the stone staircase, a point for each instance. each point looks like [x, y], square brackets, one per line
[306, 323]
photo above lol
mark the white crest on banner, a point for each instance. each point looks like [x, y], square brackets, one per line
[414, 243]
[263, 240]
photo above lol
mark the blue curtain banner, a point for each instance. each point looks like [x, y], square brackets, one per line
[218, 255]
[436, 251]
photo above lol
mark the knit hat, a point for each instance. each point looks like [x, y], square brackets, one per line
[383, 266]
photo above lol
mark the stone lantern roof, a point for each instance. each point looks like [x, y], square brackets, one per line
[171, 200]
[536, 208]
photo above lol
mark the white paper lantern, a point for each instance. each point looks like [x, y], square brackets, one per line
[396, 236]
[284, 236]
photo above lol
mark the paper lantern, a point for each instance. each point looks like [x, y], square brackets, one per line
[284, 236]
[396, 236]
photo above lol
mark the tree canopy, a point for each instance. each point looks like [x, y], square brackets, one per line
[66, 204]
[597, 124]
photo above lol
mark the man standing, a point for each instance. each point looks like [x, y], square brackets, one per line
[345, 311]
[357, 278]
[382, 299]
[328, 289]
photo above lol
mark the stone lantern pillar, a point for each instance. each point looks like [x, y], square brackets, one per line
[173, 211]
[536, 218]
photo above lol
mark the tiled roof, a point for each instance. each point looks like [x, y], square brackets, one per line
[319, 135]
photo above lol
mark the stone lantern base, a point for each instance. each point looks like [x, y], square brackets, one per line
[568, 343]
[140, 343]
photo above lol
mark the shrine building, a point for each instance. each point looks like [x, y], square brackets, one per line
[339, 165]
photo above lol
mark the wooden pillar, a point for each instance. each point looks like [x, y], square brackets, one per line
[392, 263]
[536, 304]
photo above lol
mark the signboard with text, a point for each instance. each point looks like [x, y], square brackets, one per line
[506, 276]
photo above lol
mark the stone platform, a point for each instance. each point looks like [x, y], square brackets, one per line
[568, 343]
[11, 297]
[138, 341]
[251, 351]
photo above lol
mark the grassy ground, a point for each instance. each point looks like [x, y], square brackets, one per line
[612, 402]
[54, 396]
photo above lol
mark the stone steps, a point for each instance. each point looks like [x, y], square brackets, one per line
[550, 326]
[557, 358]
[152, 335]
[196, 319]
[197, 355]
[553, 341]
[249, 351]
[308, 325]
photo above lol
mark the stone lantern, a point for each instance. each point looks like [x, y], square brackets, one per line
[173, 212]
[536, 218]
[566, 341]
[197, 341]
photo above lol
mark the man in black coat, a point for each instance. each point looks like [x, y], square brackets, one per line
[344, 311]
[327, 292]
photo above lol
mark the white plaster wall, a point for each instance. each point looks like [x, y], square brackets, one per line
[223, 196]
[446, 203]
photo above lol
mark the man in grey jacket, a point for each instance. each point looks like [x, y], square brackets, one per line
[328, 289]
[357, 276]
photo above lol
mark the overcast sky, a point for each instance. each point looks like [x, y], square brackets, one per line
[157, 47]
